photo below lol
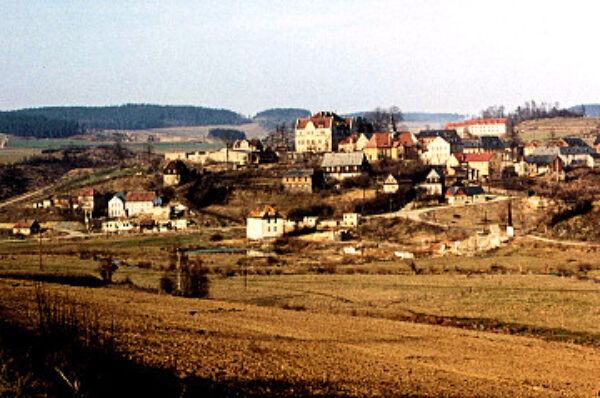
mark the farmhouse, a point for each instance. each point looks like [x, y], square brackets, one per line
[478, 162]
[540, 164]
[383, 146]
[26, 227]
[264, 223]
[354, 143]
[252, 145]
[461, 195]
[340, 166]
[392, 184]
[90, 200]
[303, 180]
[173, 173]
[116, 206]
[140, 202]
[117, 226]
[433, 184]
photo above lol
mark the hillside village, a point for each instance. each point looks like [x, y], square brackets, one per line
[389, 173]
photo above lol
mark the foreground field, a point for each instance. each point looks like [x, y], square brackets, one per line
[321, 353]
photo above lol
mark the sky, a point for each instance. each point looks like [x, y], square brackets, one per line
[423, 55]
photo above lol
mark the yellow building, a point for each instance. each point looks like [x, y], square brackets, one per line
[320, 133]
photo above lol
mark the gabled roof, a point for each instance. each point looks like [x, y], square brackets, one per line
[120, 195]
[473, 190]
[540, 159]
[435, 173]
[25, 223]
[175, 167]
[299, 173]
[380, 140]
[89, 192]
[264, 212]
[390, 180]
[318, 122]
[573, 141]
[349, 140]
[331, 159]
[473, 157]
[406, 138]
[449, 135]
[140, 196]
[491, 142]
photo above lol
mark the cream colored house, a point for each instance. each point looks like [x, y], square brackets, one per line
[264, 223]
[437, 152]
[479, 162]
[117, 226]
[320, 133]
[116, 206]
[140, 202]
[354, 143]
[351, 219]
[479, 127]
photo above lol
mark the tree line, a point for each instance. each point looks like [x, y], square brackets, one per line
[55, 122]
[531, 111]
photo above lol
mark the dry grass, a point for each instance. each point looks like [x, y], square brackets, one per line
[323, 353]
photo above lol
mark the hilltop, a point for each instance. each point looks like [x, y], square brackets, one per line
[65, 121]
[271, 118]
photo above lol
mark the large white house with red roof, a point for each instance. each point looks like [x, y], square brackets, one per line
[264, 223]
[479, 127]
[321, 132]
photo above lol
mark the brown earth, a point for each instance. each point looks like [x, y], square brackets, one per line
[331, 354]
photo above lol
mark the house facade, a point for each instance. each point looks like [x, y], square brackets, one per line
[299, 180]
[26, 227]
[340, 166]
[479, 127]
[116, 206]
[264, 223]
[173, 173]
[433, 184]
[462, 195]
[320, 133]
[140, 202]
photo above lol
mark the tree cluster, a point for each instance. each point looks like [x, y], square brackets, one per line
[52, 122]
[227, 135]
[379, 120]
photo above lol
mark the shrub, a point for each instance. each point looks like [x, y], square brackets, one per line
[194, 282]
[167, 283]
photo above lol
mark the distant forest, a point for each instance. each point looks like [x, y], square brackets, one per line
[227, 135]
[270, 119]
[59, 122]
[589, 110]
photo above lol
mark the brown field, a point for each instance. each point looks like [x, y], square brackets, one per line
[325, 352]
[543, 129]
[13, 155]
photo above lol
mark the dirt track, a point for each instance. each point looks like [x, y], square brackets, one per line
[325, 353]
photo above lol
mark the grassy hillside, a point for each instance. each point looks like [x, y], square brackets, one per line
[271, 118]
[543, 129]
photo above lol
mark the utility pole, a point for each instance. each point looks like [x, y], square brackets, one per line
[40, 238]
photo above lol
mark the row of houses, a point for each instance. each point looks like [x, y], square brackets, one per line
[242, 152]
[268, 223]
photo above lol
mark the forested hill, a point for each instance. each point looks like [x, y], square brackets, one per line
[591, 110]
[271, 118]
[67, 121]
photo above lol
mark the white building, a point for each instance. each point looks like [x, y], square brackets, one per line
[116, 206]
[351, 219]
[437, 152]
[264, 223]
[140, 202]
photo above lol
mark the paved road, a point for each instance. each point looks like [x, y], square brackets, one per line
[416, 214]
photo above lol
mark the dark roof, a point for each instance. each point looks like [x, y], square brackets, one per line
[471, 144]
[575, 150]
[445, 134]
[299, 173]
[491, 142]
[540, 159]
[473, 190]
[175, 167]
[574, 141]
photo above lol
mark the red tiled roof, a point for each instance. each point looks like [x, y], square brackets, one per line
[349, 140]
[454, 125]
[473, 157]
[141, 196]
[380, 140]
[24, 223]
[318, 121]
[88, 192]
[267, 211]
[406, 138]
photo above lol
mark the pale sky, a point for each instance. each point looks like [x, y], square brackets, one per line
[247, 56]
